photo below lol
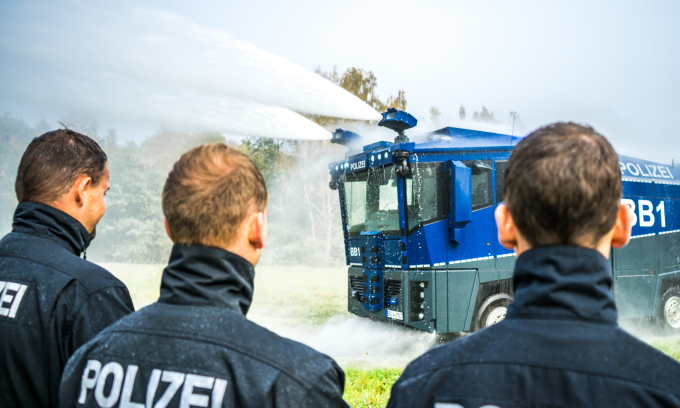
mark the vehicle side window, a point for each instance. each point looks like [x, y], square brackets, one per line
[481, 183]
[425, 194]
[355, 201]
[500, 166]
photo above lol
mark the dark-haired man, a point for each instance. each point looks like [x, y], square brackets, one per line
[560, 345]
[195, 347]
[51, 300]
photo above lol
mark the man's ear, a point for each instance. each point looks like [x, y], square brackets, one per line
[167, 229]
[82, 184]
[623, 226]
[257, 230]
[507, 233]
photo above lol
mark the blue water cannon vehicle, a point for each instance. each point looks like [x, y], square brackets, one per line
[421, 240]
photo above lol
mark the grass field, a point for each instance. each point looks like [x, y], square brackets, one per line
[309, 305]
[369, 388]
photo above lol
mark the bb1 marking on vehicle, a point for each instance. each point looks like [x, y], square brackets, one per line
[354, 251]
[645, 212]
[392, 314]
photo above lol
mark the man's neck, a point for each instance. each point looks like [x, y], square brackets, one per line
[603, 246]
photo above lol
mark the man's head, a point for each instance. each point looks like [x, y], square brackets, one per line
[563, 187]
[216, 196]
[66, 170]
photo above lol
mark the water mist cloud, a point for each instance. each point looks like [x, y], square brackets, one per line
[149, 66]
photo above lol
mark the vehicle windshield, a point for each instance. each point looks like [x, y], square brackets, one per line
[371, 201]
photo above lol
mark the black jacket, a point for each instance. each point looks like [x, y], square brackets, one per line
[559, 346]
[195, 344]
[53, 302]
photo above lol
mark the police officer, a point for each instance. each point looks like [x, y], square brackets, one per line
[51, 300]
[195, 347]
[559, 345]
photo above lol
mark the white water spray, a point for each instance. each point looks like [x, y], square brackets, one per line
[154, 67]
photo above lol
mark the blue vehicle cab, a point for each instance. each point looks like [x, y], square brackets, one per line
[421, 240]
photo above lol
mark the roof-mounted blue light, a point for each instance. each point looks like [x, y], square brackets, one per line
[345, 137]
[398, 121]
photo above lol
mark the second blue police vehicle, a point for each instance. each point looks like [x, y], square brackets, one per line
[421, 240]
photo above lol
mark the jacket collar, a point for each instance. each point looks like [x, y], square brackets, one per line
[206, 276]
[563, 282]
[48, 222]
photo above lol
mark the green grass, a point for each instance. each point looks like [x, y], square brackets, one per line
[287, 294]
[670, 346]
[369, 388]
[297, 295]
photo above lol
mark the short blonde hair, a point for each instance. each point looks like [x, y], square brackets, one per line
[208, 194]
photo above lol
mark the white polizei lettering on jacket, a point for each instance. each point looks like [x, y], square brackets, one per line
[218, 392]
[190, 399]
[110, 400]
[128, 385]
[175, 379]
[88, 382]
[95, 378]
[11, 294]
[152, 387]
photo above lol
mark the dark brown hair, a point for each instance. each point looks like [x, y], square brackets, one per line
[53, 161]
[563, 185]
[208, 194]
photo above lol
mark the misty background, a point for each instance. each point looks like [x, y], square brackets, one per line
[304, 217]
[149, 80]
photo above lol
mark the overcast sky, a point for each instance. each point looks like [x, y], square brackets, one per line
[614, 65]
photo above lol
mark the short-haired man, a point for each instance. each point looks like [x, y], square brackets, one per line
[195, 347]
[560, 345]
[51, 300]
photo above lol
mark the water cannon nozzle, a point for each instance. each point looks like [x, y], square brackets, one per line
[346, 138]
[398, 121]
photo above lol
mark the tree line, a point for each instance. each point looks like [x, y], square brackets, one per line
[303, 212]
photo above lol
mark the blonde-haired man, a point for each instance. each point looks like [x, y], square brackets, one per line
[194, 347]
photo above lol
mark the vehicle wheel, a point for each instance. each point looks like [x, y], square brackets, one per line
[670, 309]
[492, 310]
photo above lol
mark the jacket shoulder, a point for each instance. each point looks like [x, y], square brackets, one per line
[91, 276]
[53, 256]
[228, 330]
[592, 350]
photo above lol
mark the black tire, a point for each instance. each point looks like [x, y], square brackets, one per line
[492, 310]
[669, 310]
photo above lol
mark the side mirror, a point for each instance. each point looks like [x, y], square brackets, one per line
[461, 200]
